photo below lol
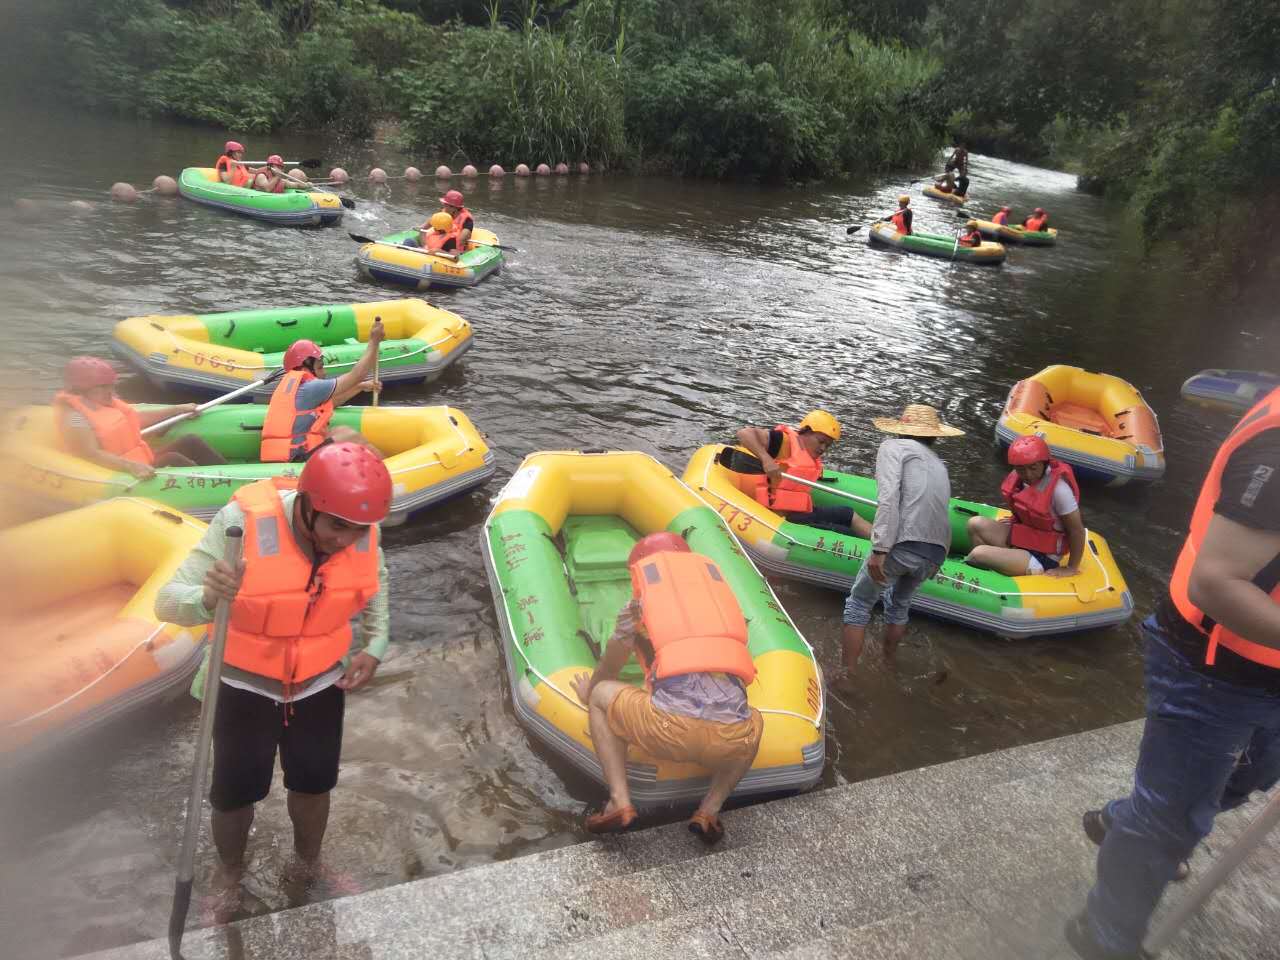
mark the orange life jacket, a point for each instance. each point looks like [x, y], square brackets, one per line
[240, 176]
[288, 621]
[1265, 415]
[971, 239]
[435, 241]
[278, 440]
[1000, 218]
[691, 616]
[459, 219]
[899, 221]
[789, 496]
[117, 427]
[1033, 510]
[1034, 224]
[279, 185]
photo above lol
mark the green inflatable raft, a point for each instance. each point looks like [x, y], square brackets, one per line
[934, 245]
[293, 208]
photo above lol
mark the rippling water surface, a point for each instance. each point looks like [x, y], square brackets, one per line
[645, 314]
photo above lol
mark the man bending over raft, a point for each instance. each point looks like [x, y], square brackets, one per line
[312, 562]
[687, 631]
[798, 452]
[297, 420]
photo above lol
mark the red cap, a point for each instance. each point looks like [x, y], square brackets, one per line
[231, 146]
[657, 543]
[348, 481]
[299, 352]
[85, 373]
[1038, 210]
[275, 159]
[454, 198]
[1028, 450]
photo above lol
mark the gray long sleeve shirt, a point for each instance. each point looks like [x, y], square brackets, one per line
[914, 494]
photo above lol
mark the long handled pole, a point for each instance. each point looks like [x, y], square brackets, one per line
[210, 404]
[739, 461]
[377, 387]
[1215, 876]
[195, 800]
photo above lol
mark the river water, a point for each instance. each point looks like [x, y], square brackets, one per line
[646, 314]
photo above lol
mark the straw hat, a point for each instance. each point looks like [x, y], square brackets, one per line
[917, 420]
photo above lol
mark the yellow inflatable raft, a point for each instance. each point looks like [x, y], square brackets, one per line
[78, 629]
[556, 548]
[219, 352]
[1096, 422]
[936, 194]
[433, 454]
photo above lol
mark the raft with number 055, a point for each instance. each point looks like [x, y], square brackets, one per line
[292, 208]
[389, 261]
[556, 547]
[1096, 422]
[78, 629]
[1008, 606]
[935, 245]
[219, 352]
[432, 453]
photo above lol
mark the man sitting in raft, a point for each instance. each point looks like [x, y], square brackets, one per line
[1002, 217]
[230, 169]
[971, 239]
[273, 179]
[902, 219]
[962, 186]
[1046, 522]
[946, 183]
[100, 427]
[298, 417]
[312, 567]
[1039, 220]
[799, 452]
[686, 629]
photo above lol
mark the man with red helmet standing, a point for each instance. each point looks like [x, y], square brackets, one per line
[302, 404]
[686, 629]
[1046, 522]
[312, 562]
[98, 426]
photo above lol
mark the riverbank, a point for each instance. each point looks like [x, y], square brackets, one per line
[979, 859]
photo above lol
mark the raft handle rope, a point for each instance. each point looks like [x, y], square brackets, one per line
[92, 683]
[179, 348]
[515, 644]
[1106, 577]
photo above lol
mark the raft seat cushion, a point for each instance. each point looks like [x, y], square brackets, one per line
[598, 551]
[1079, 417]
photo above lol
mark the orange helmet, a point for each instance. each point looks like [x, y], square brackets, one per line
[1028, 450]
[348, 481]
[299, 352]
[85, 373]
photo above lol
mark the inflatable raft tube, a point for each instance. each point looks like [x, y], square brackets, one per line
[556, 547]
[935, 245]
[218, 352]
[1096, 422]
[433, 454]
[935, 194]
[1234, 391]
[293, 208]
[388, 262]
[1015, 234]
[1007, 606]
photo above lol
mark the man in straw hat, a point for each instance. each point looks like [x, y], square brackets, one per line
[912, 530]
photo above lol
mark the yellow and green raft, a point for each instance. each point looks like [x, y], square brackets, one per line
[556, 547]
[1008, 606]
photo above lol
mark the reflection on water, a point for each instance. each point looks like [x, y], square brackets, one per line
[648, 314]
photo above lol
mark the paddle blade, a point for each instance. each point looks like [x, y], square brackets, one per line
[739, 461]
[178, 917]
[854, 229]
[308, 164]
[359, 239]
[347, 202]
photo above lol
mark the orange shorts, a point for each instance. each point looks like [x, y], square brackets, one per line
[680, 739]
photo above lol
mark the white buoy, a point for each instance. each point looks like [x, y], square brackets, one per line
[544, 170]
[497, 171]
[165, 186]
[79, 206]
[378, 175]
[123, 192]
[562, 169]
[412, 174]
[338, 175]
[443, 172]
[297, 173]
[522, 169]
[470, 171]
[584, 168]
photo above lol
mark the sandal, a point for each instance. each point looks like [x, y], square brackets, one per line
[1095, 828]
[613, 822]
[707, 828]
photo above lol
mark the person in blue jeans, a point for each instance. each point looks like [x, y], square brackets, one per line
[912, 529]
[1212, 734]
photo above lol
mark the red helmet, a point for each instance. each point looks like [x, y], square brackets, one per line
[1028, 450]
[85, 373]
[1005, 209]
[657, 543]
[347, 480]
[453, 198]
[276, 160]
[231, 146]
[299, 352]
[1038, 210]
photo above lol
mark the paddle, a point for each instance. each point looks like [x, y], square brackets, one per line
[200, 767]
[359, 239]
[741, 462]
[216, 401]
[305, 164]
